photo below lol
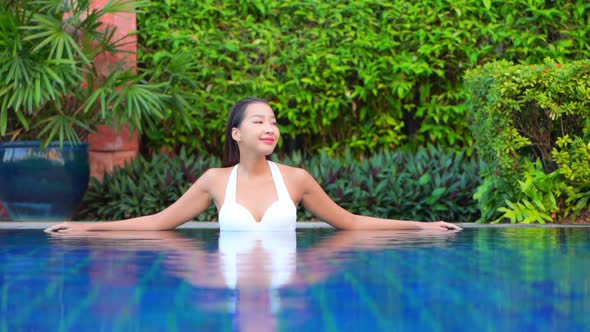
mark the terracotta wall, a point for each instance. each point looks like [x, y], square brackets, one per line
[107, 147]
[125, 23]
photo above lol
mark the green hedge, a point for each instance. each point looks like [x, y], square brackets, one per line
[428, 184]
[361, 74]
[144, 187]
[532, 126]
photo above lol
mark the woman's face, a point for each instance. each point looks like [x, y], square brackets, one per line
[258, 131]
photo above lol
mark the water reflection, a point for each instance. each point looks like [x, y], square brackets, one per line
[26, 153]
[248, 273]
[476, 280]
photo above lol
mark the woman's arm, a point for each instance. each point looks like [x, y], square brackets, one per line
[319, 203]
[192, 203]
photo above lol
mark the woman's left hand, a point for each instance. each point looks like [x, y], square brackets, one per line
[439, 225]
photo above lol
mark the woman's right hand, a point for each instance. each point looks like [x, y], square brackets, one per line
[67, 227]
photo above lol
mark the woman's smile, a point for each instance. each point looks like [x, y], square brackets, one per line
[268, 140]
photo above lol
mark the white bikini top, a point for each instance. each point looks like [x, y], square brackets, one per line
[280, 216]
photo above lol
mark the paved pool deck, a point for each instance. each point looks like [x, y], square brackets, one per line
[300, 225]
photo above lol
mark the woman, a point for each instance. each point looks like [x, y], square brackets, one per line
[251, 192]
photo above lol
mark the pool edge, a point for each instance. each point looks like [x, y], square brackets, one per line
[300, 225]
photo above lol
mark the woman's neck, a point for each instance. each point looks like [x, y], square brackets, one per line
[253, 167]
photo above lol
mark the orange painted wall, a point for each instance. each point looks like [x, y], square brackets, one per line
[107, 147]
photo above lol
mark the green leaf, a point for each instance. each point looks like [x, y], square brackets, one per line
[424, 179]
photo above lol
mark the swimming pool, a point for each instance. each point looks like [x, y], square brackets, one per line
[488, 279]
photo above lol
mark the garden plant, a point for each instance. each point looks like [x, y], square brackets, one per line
[54, 84]
[532, 127]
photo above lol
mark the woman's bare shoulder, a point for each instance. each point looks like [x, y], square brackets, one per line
[215, 175]
[214, 171]
[291, 172]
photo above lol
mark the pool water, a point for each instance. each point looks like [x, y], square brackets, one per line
[481, 279]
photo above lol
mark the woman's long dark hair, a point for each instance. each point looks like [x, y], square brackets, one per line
[231, 152]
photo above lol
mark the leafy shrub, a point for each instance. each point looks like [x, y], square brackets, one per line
[362, 74]
[430, 184]
[531, 123]
[573, 159]
[175, 73]
[537, 197]
[145, 186]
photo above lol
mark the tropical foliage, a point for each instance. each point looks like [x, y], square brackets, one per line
[52, 86]
[145, 186]
[532, 126]
[362, 74]
[428, 184]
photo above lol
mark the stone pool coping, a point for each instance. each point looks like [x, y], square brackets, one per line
[300, 225]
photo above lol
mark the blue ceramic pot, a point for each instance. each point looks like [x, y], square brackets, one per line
[44, 184]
